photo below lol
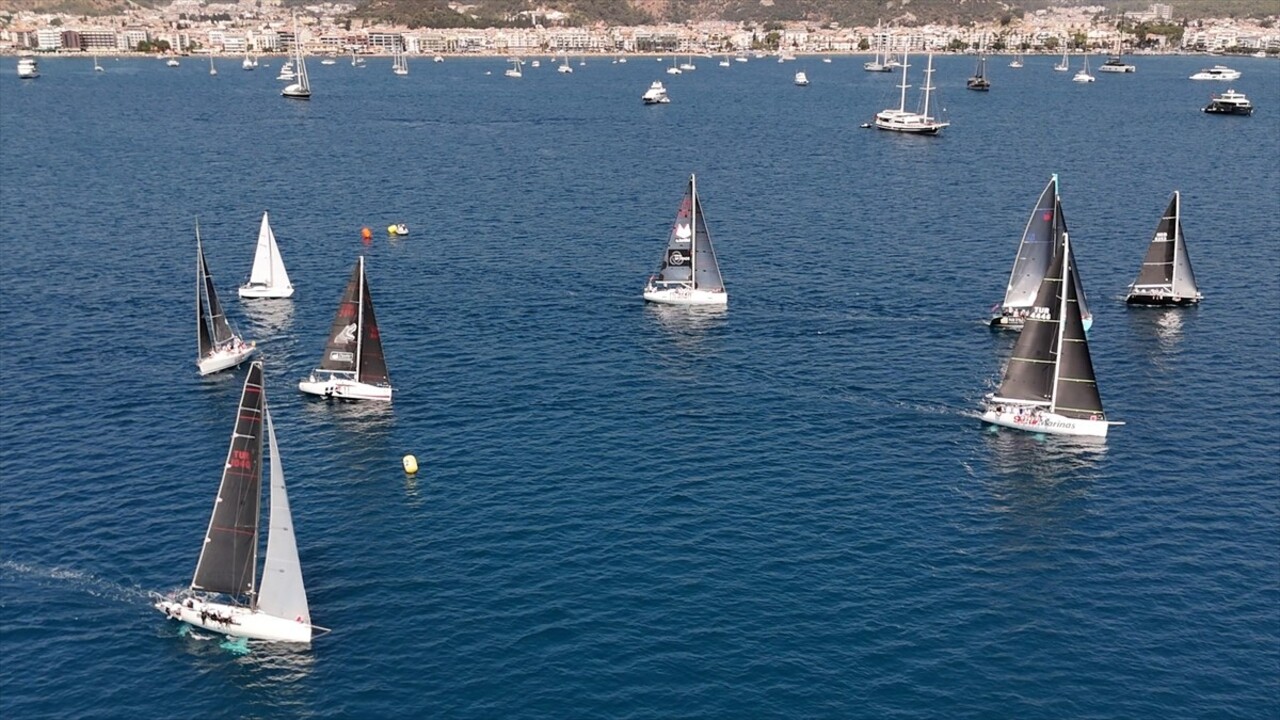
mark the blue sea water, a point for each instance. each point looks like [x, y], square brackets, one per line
[786, 510]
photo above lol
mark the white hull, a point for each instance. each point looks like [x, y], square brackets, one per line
[234, 620]
[1039, 420]
[344, 389]
[297, 92]
[685, 296]
[224, 358]
[265, 291]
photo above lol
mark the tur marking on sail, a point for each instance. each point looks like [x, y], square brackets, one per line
[225, 595]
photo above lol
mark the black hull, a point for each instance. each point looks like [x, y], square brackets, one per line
[1213, 110]
[1006, 323]
[981, 86]
[1149, 301]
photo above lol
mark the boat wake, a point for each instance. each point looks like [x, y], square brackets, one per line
[69, 578]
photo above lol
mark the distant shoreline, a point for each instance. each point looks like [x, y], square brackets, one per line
[612, 55]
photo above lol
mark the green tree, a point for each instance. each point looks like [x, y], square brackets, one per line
[957, 45]
[863, 44]
[1051, 43]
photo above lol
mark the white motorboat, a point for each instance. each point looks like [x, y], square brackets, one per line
[656, 94]
[218, 345]
[1217, 72]
[172, 62]
[689, 273]
[28, 68]
[286, 71]
[275, 608]
[900, 119]
[268, 278]
[801, 79]
[353, 366]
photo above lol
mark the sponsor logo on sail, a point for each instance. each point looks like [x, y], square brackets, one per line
[342, 357]
[675, 257]
[348, 335]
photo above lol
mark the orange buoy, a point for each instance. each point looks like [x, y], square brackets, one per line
[366, 234]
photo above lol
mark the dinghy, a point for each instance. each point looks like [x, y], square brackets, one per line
[218, 346]
[225, 595]
[268, 278]
[353, 367]
[1043, 233]
[1049, 384]
[689, 273]
[1166, 277]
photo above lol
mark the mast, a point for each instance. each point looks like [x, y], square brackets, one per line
[902, 101]
[693, 228]
[201, 331]
[1177, 239]
[928, 75]
[1062, 323]
[360, 318]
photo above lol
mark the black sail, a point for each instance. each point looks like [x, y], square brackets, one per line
[1157, 266]
[219, 329]
[204, 341]
[341, 350]
[229, 556]
[1061, 230]
[1077, 388]
[1029, 375]
[677, 260]
[373, 366]
[706, 267]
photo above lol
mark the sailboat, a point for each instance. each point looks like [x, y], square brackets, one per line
[1017, 60]
[96, 66]
[399, 63]
[1083, 75]
[565, 68]
[1042, 235]
[268, 278]
[218, 347]
[274, 608]
[248, 63]
[353, 367]
[514, 70]
[1166, 277]
[300, 90]
[212, 70]
[902, 120]
[1049, 384]
[1115, 64]
[979, 80]
[1064, 65]
[689, 273]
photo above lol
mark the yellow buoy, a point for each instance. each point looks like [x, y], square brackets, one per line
[391, 229]
[410, 464]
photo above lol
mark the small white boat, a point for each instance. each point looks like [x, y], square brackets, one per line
[28, 69]
[656, 94]
[97, 67]
[1017, 61]
[218, 346]
[689, 273]
[1063, 65]
[826, 60]
[688, 66]
[438, 58]
[300, 90]
[514, 70]
[801, 79]
[535, 63]
[286, 71]
[212, 70]
[565, 68]
[1217, 72]
[268, 278]
[353, 366]
[172, 62]
[399, 62]
[275, 608]
[248, 63]
[398, 230]
[1083, 75]
[674, 69]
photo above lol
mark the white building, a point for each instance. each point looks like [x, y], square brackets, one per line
[49, 39]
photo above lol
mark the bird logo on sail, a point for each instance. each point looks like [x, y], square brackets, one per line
[348, 335]
[683, 231]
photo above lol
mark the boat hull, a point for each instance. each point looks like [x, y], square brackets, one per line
[296, 92]
[1214, 109]
[1010, 322]
[235, 621]
[265, 292]
[1039, 420]
[223, 359]
[1161, 300]
[344, 389]
[685, 296]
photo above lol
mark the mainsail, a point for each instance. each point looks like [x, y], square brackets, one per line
[268, 267]
[214, 329]
[282, 593]
[690, 259]
[343, 347]
[1167, 267]
[229, 554]
[1050, 364]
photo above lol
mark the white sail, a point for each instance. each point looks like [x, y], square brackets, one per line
[268, 274]
[281, 593]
